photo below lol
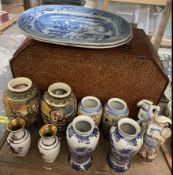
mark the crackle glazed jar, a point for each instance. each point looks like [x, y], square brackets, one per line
[48, 144]
[59, 106]
[91, 107]
[19, 139]
[21, 99]
[114, 110]
[126, 140]
[82, 137]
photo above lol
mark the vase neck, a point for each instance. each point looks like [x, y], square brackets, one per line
[83, 125]
[18, 134]
[128, 128]
[49, 141]
[90, 104]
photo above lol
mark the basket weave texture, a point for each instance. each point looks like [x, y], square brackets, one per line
[131, 72]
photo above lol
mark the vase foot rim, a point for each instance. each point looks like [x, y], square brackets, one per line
[117, 167]
[81, 167]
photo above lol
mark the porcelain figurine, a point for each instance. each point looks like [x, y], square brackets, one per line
[114, 110]
[19, 139]
[21, 99]
[146, 113]
[91, 107]
[48, 144]
[82, 138]
[59, 106]
[157, 132]
[126, 140]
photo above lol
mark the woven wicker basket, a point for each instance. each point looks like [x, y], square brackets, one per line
[131, 72]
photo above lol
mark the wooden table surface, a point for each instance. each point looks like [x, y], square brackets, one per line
[32, 163]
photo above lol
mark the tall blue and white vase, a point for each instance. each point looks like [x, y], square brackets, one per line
[114, 110]
[92, 107]
[126, 140]
[82, 138]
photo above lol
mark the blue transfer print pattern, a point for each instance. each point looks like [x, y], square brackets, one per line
[83, 139]
[74, 24]
[132, 142]
[116, 167]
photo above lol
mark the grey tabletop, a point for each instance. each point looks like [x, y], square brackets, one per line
[10, 40]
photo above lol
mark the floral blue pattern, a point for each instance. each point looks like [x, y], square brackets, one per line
[116, 167]
[74, 25]
[133, 142]
[83, 139]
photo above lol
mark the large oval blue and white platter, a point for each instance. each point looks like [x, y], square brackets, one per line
[75, 26]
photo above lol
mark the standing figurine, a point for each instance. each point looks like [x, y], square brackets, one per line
[154, 127]
[146, 113]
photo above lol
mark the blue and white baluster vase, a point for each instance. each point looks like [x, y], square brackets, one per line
[82, 138]
[125, 141]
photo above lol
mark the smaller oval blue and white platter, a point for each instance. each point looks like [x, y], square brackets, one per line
[75, 26]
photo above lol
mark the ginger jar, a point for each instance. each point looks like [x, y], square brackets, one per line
[92, 107]
[58, 106]
[114, 110]
[21, 99]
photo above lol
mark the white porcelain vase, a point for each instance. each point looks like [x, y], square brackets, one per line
[114, 110]
[19, 139]
[48, 144]
[92, 107]
[82, 138]
[126, 140]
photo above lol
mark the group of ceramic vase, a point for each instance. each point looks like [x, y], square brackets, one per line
[79, 122]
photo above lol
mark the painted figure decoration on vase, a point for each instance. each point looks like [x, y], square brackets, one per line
[146, 113]
[59, 106]
[114, 110]
[92, 107]
[125, 141]
[157, 132]
[19, 139]
[21, 99]
[82, 137]
[49, 144]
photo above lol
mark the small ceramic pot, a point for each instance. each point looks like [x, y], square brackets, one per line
[48, 144]
[21, 99]
[91, 107]
[82, 138]
[59, 106]
[126, 140]
[114, 110]
[19, 138]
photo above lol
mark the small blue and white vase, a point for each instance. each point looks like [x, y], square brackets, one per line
[114, 110]
[126, 140]
[92, 107]
[82, 137]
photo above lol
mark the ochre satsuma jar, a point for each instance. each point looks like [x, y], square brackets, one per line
[21, 99]
[58, 106]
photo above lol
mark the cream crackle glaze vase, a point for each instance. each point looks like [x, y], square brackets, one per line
[19, 138]
[82, 137]
[48, 144]
[91, 107]
[59, 106]
[156, 133]
[21, 99]
[114, 110]
[125, 141]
